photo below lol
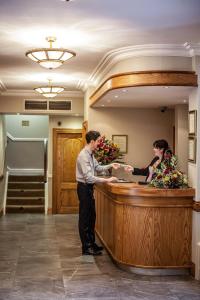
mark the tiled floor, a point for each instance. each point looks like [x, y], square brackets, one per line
[40, 260]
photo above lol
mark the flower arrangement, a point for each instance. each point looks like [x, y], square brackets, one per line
[167, 175]
[107, 151]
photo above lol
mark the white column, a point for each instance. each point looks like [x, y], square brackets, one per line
[194, 171]
[181, 136]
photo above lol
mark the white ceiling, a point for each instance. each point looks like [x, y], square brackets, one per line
[91, 28]
[151, 96]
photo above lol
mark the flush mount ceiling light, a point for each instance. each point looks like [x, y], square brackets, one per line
[49, 91]
[50, 58]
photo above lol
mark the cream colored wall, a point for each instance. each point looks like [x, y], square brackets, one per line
[181, 136]
[37, 128]
[66, 122]
[143, 127]
[15, 104]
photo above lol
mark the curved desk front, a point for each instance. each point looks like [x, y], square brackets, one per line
[146, 230]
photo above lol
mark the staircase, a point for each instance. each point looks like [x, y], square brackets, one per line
[25, 194]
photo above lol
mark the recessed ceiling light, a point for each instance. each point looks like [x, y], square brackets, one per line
[124, 90]
[116, 96]
[184, 101]
[102, 105]
[166, 87]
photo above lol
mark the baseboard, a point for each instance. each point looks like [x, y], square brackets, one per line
[49, 211]
[196, 206]
[192, 270]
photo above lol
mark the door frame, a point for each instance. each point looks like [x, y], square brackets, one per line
[57, 131]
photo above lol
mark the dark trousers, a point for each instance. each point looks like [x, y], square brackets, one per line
[87, 215]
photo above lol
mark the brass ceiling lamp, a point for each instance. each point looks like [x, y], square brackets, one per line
[49, 91]
[50, 58]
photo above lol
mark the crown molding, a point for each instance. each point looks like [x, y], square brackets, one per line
[114, 56]
[194, 49]
[85, 84]
[2, 87]
[30, 93]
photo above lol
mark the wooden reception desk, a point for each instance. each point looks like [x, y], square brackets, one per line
[145, 230]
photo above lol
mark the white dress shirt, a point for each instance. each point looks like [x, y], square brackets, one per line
[87, 167]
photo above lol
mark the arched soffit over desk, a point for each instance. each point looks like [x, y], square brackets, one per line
[144, 78]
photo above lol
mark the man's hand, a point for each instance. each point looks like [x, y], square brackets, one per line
[115, 166]
[112, 179]
[128, 168]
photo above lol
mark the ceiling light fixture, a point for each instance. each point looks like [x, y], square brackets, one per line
[49, 91]
[50, 58]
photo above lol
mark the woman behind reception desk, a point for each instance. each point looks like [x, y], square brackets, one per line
[148, 229]
[160, 148]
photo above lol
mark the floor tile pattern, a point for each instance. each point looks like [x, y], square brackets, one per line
[40, 259]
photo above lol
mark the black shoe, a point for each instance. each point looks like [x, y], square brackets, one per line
[91, 252]
[95, 247]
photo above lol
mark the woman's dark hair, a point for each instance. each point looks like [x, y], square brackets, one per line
[162, 144]
[92, 136]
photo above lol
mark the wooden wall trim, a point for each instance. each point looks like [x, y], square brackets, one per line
[144, 78]
[192, 270]
[1, 212]
[196, 206]
[49, 211]
[136, 190]
[84, 131]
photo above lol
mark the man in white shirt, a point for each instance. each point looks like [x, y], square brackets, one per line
[86, 168]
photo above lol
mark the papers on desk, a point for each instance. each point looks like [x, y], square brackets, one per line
[121, 180]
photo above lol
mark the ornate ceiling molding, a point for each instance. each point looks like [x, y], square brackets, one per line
[30, 93]
[112, 57]
[2, 87]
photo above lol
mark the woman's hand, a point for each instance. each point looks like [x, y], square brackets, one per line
[128, 168]
[115, 166]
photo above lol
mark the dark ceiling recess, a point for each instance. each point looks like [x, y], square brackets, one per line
[35, 105]
[48, 105]
[59, 105]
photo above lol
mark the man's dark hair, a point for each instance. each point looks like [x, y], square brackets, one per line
[161, 144]
[92, 136]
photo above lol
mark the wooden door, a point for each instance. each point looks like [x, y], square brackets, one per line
[67, 143]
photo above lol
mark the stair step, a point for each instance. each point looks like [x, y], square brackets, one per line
[25, 209]
[20, 178]
[24, 193]
[25, 201]
[25, 185]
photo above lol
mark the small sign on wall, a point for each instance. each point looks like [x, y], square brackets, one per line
[25, 123]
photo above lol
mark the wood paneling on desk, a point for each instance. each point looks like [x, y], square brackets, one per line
[145, 227]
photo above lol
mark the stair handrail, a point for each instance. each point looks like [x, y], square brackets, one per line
[45, 159]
